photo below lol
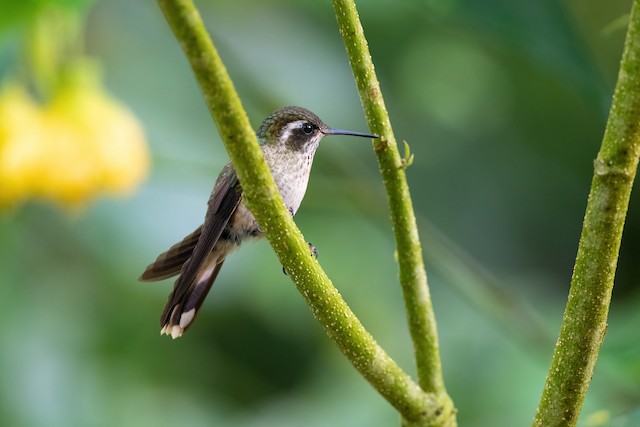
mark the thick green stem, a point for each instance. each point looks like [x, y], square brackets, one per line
[262, 198]
[413, 276]
[585, 318]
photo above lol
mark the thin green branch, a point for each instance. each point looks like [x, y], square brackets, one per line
[585, 318]
[262, 198]
[413, 276]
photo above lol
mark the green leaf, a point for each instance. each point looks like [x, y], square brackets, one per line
[407, 159]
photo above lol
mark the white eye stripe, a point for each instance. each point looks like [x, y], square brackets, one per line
[290, 127]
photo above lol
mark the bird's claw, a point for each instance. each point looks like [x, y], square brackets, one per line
[314, 250]
[314, 253]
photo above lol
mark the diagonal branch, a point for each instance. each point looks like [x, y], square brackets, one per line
[262, 198]
[585, 318]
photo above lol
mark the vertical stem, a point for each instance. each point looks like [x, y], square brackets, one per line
[413, 277]
[585, 318]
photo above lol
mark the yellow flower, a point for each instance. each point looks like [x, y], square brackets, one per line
[116, 143]
[20, 140]
[82, 144]
[97, 146]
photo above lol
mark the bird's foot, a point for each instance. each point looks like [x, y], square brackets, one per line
[314, 253]
[314, 250]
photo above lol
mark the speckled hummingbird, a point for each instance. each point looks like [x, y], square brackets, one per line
[289, 138]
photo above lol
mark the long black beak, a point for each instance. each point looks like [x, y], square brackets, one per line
[348, 132]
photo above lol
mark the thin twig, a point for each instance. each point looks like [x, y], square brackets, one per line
[413, 277]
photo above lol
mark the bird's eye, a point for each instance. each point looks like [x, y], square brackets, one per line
[307, 128]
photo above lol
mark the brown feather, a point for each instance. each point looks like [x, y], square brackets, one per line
[192, 299]
[197, 273]
[169, 263]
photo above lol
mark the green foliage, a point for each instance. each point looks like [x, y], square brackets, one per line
[21, 13]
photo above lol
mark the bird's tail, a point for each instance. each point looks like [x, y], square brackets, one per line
[169, 263]
[182, 308]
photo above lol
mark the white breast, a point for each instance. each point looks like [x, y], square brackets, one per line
[290, 170]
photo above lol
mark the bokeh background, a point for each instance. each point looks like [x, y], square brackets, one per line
[504, 105]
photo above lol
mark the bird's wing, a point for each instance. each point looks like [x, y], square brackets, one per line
[169, 263]
[222, 204]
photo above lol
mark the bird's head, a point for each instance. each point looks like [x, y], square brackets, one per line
[298, 129]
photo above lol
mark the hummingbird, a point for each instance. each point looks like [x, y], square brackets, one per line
[289, 138]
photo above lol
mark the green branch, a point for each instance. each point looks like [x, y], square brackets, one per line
[413, 276]
[262, 198]
[585, 318]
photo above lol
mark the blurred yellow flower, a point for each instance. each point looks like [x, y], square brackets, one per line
[80, 145]
[76, 142]
[20, 140]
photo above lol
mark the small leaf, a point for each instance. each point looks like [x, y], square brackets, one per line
[407, 160]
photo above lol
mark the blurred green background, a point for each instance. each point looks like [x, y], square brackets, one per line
[504, 105]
